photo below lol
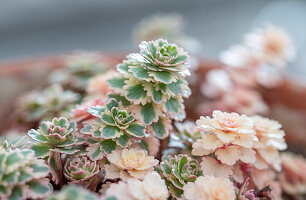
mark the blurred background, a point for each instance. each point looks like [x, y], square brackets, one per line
[41, 27]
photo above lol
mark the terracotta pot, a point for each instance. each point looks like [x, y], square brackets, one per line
[286, 101]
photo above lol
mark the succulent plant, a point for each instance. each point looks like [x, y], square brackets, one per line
[15, 138]
[129, 163]
[73, 192]
[153, 83]
[164, 56]
[52, 139]
[166, 26]
[78, 70]
[44, 105]
[115, 125]
[22, 176]
[58, 134]
[177, 171]
[80, 170]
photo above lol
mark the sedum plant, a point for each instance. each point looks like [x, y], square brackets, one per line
[177, 171]
[153, 83]
[15, 138]
[114, 127]
[58, 134]
[129, 163]
[73, 192]
[78, 70]
[22, 176]
[52, 139]
[167, 26]
[80, 170]
[44, 105]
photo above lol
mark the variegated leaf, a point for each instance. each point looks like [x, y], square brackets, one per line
[116, 83]
[136, 130]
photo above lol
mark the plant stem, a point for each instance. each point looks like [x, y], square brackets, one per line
[265, 193]
[59, 167]
[96, 180]
[163, 145]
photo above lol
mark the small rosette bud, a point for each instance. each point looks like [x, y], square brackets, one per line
[178, 170]
[79, 170]
[165, 56]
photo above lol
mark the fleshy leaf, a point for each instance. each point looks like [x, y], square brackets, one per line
[148, 113]
[135, 92]
[159, 128]
[86, 129]
[157, 95]
[96, 110]
[68, 142]
[61, 122]
[3, 190]
[44, 128]
[17, 194]
[111, 103]
[108, 146]
[36, 136]
[39, 169]
[95, 152]
[39, 188]
[108, 119]
[144, 145]
[180, 59]
[136, 130]
[123, 68]
[173, 105]
[12, 159]
[72, 126]
[53, 169]
[119, 98]
[175, 87]
[166, 168]
[116, 83]
[41, 150]
[164, 77]
[67, 151]
[124, 140]
[110, 131]
[140, 73]
[10, 178]
[24, 176]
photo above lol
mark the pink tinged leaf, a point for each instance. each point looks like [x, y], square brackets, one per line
[41, 150]
[72, 168]
[78, 175]
[67, 151]
[56, 138]
[52, 167]
[35, 135]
